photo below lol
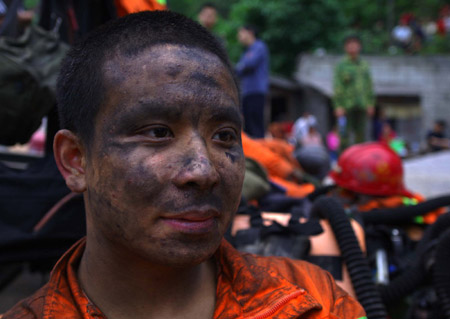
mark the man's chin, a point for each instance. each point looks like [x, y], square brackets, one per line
[187, 254]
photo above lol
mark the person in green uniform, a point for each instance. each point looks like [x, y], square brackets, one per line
[353, 94]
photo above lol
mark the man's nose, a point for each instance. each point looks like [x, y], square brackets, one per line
[196, 169]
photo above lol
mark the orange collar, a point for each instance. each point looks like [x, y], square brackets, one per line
[245, 288]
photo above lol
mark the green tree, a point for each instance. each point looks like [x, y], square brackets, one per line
[289, 27]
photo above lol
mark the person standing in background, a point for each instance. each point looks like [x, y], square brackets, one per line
[302, 125]
[333, 143]
[353, 93]
[436, 139]
[207, 16]
[253, 70]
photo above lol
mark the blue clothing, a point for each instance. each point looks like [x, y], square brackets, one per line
[253, 110]
[253, 69]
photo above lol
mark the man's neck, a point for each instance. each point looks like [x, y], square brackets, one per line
[251, 42]
[353, 58]
[127, 288]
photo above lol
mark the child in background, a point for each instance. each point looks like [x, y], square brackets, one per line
[333, 143]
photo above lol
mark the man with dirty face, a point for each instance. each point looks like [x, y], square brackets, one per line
[151, 136]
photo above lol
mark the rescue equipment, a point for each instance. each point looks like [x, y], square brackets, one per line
[371, 169]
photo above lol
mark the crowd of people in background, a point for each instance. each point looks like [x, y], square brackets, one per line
[412, 32]
[353, 100]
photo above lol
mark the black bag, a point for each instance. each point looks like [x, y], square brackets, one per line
[29, 67]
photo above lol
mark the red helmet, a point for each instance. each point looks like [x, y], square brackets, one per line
[372, 169]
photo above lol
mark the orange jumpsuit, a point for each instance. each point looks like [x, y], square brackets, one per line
[248, 286]
[125, 7]
[278, 165]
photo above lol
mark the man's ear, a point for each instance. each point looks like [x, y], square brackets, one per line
[70, 159]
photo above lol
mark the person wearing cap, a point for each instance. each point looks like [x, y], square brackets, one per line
[353, 98]
[370, 176]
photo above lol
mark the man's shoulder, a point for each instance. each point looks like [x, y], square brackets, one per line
[342, 65]
[283, 266]
[56, 297]
[300, 272]
[342, 61]
[31, 307]
[260, 45]
[47, 300]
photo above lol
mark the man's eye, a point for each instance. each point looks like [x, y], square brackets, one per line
[157, 132]
[225, 136]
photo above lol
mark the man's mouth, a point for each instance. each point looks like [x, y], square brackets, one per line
[200, 221]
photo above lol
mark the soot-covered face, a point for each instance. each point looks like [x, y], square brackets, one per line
[165, 172]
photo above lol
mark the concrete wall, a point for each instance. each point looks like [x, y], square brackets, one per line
[425, 77]
[298, 99]
[318, 105]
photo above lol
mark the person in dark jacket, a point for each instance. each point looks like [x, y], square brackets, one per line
[436, 138]
[253, 70]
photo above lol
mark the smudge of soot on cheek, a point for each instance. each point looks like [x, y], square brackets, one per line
[231, 156]
[232, 175]
[235, 154]
[144, 183]
[135, 174]
[107, 215]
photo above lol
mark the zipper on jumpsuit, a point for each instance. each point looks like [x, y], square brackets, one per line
[279, 304]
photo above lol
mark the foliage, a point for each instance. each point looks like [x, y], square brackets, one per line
[288, 27]
[363, 14]
[437, 45]
[423, 9]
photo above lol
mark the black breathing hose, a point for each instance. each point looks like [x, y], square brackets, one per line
[404, 214]
[358, 267]
[441, 273]
[404, 284]
[320, 191]
[416, 274]
[434, 230]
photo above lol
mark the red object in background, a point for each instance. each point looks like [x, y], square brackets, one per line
[406, 18]
[441, 27]
[444, 14]
[372, 169]
[125, 7]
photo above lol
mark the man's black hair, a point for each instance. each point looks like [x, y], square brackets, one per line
[208, 5]
[80, 89]
[253, 29]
